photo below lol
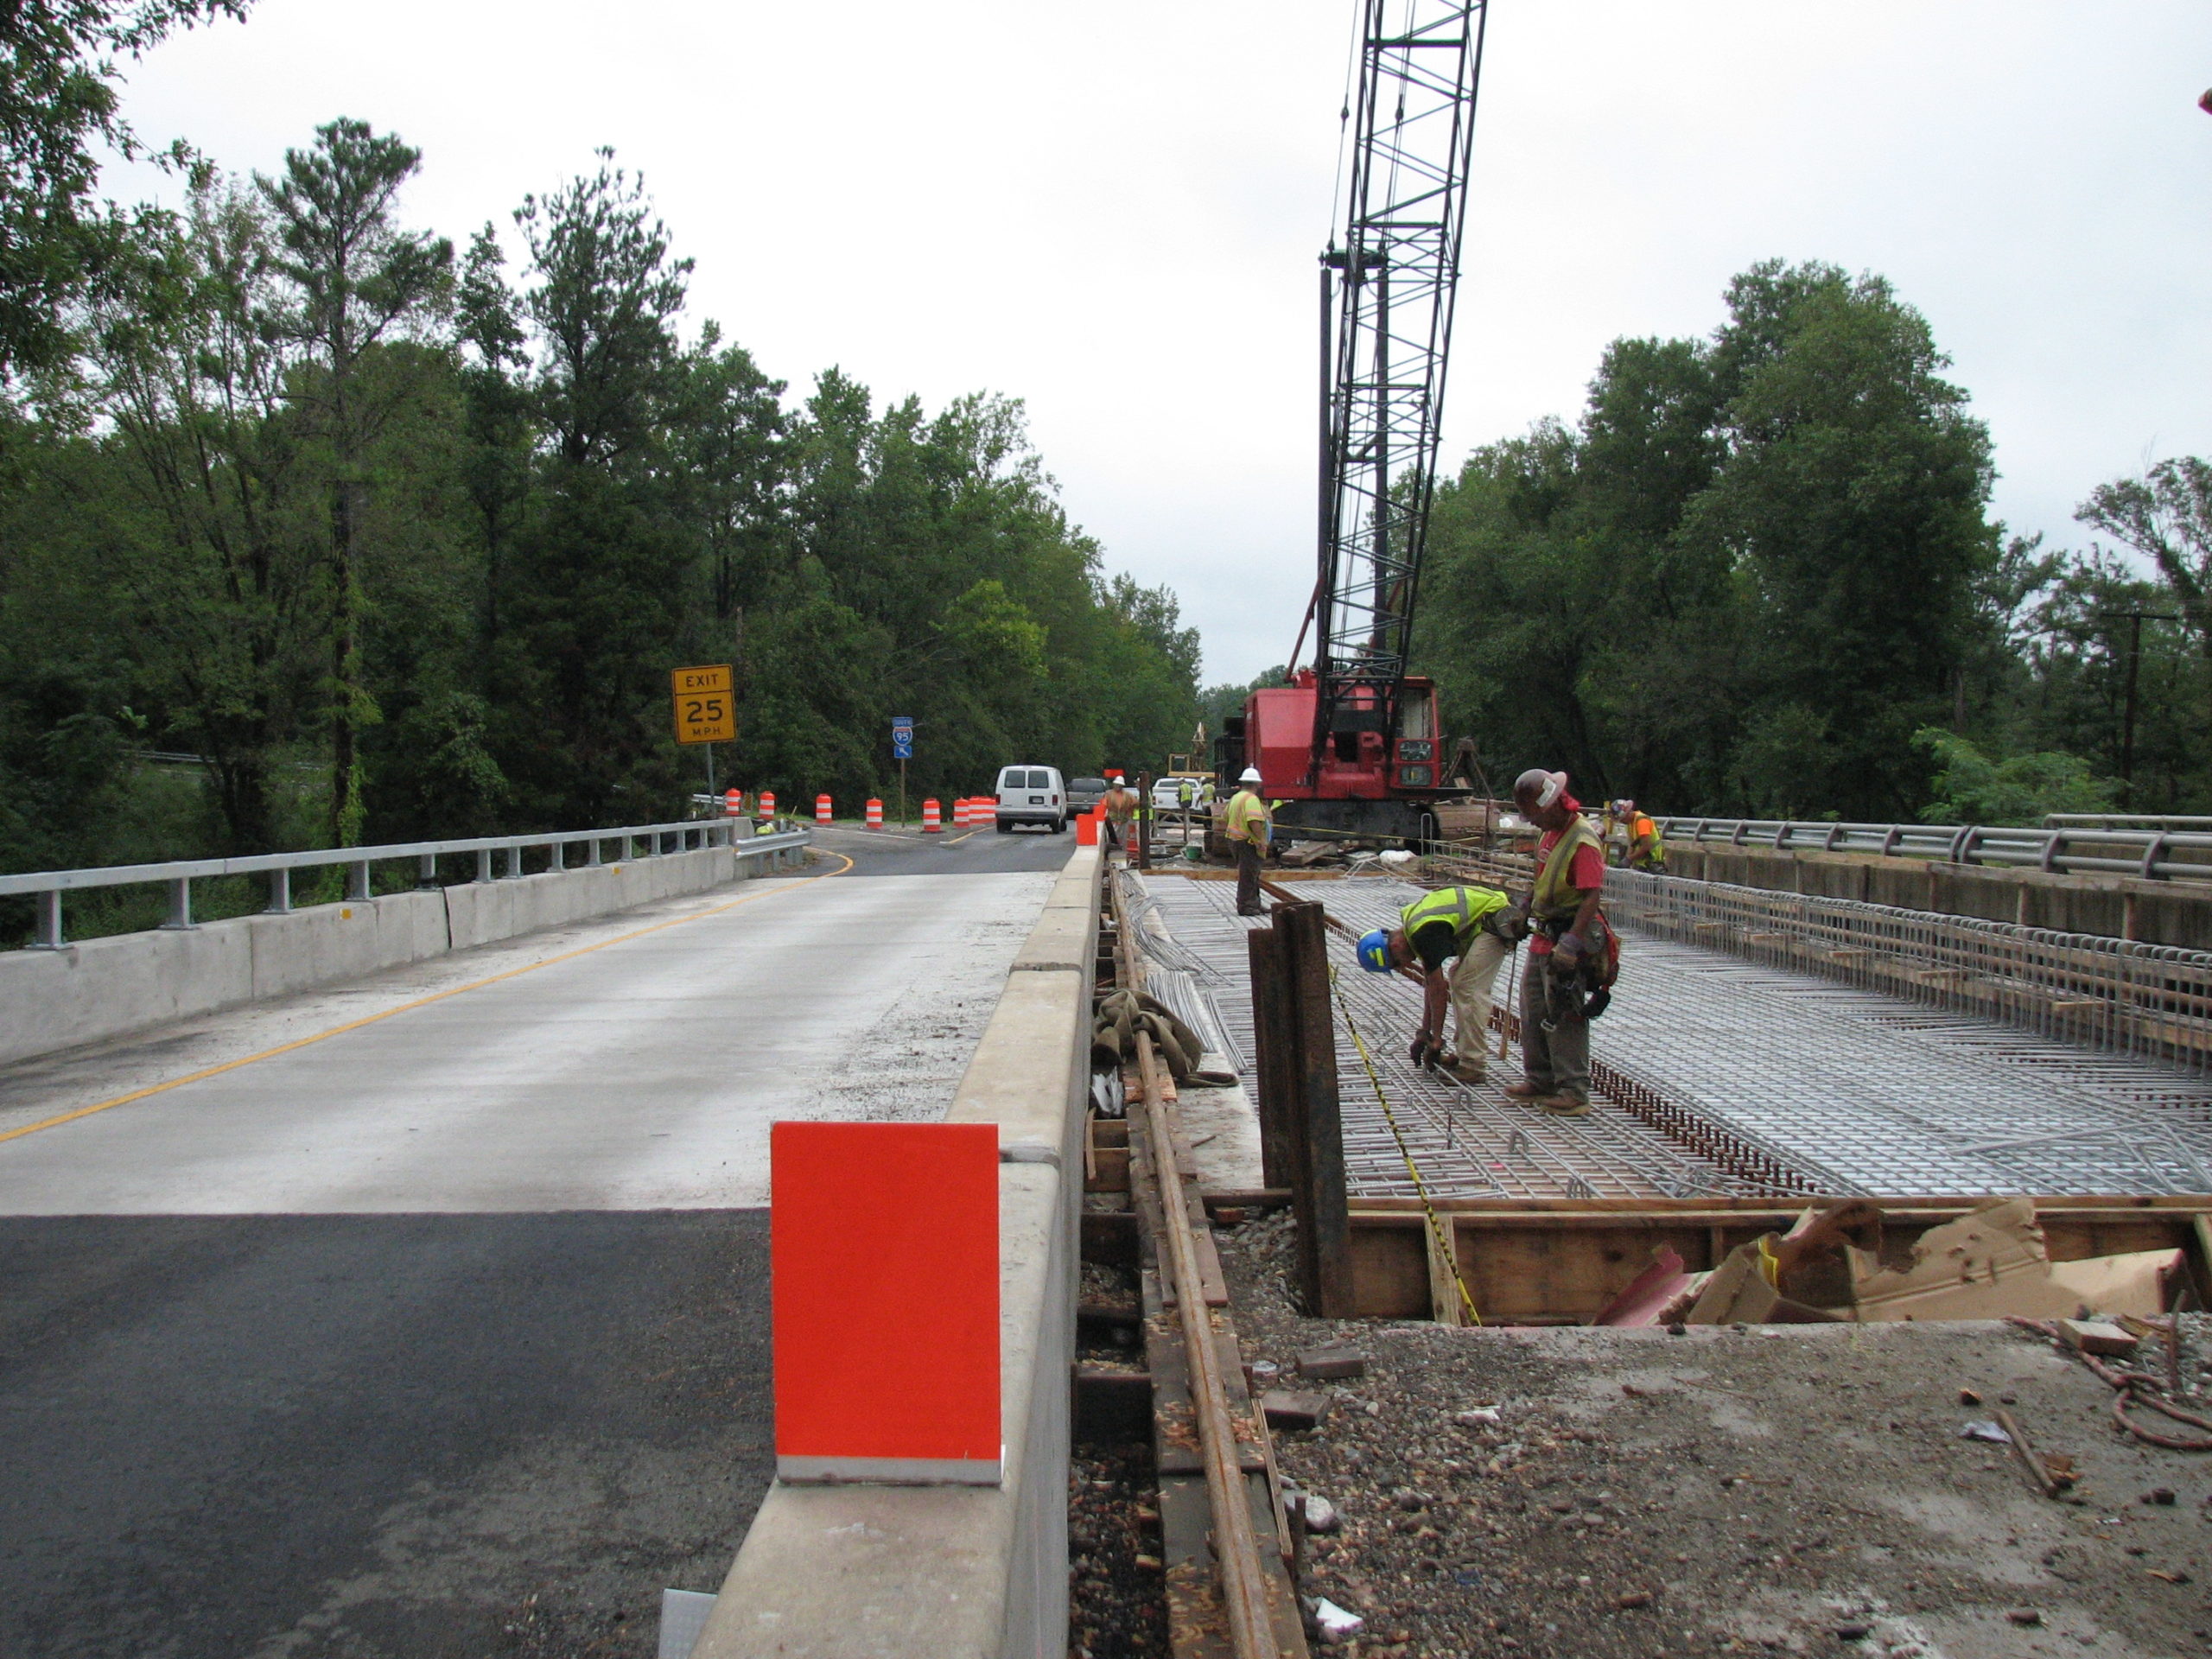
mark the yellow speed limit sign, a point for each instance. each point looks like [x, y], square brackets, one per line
[706, 712]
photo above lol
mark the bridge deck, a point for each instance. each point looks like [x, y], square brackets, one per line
[1849, 1089]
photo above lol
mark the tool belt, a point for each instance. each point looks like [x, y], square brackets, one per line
[1584, 988]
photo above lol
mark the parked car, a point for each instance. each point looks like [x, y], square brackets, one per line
[1083, 793]
[1031, 795]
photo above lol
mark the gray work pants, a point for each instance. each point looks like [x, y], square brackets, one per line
[1248, 877]
[1554, 1061]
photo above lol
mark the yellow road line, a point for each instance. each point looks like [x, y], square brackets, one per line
[404, 1008]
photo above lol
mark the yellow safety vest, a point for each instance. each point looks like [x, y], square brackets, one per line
[1463, 907]
[1246, 813]
[1555, 898]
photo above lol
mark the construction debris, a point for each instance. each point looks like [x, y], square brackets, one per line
[2097, 1336]
[1333, 1362]
[1287, 1409]
[1989, 1264]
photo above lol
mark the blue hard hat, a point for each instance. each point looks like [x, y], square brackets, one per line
[1375, 951]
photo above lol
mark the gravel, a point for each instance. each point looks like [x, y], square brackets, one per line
[1799, 1490]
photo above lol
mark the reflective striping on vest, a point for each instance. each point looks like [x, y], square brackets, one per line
[1245, 813]
[1555, 896]
[1461, 906]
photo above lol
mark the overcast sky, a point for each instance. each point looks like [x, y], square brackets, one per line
[1112, 212]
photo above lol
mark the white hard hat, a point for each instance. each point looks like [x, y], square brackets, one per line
[1249, 775]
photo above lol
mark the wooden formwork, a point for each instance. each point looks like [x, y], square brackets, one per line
[1559, 1261]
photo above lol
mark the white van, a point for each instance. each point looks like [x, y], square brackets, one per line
[1031, 795]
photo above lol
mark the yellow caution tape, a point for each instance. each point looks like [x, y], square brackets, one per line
[1442, 1240]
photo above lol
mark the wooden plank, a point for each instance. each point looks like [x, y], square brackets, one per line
[1275, 1062]
[1325, 1231]
[1443, 1283]
[1110, 1238]
[1197, 1625]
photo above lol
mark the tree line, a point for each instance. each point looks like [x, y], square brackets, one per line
[1759, 577]
[389, 539]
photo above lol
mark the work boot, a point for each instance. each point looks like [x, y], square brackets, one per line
[1564, 1105]
[1470, 1070]
[1523, 1091]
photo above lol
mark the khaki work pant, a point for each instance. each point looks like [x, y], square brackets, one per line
[1557, 1061]
[1472, 975]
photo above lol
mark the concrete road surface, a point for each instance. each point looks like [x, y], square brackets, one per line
[426, 1316]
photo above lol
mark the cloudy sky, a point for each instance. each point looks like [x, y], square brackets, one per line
[1112, 212]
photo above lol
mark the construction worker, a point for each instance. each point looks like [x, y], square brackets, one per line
[1121, 804]
[1478, 926]
[1569, 938]
[1646, 851]
[1248, 826]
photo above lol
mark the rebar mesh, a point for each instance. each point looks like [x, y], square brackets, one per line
[1753, 1075]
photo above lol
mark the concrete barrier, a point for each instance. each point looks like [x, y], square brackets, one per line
[99, 988]
[963, 1573]
[2108, 906]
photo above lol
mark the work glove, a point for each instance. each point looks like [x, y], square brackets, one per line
[1570, 950]
[1422, 1048]
[1511, 925]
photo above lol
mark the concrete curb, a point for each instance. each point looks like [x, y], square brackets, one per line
[99, 988]
[962, 1573]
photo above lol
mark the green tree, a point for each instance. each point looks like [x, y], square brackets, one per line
[58, 108]
[358, 282]
[1971, 787]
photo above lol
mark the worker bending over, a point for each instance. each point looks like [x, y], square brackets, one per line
[1248, 828]
[1477, 926]
[1570, 947]
[1646, 851]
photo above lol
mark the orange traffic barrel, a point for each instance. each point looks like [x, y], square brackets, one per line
[874, 814]
[932, 823]
[821, 808]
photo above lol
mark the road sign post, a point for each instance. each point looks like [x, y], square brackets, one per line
[705, 708]
[902, 751]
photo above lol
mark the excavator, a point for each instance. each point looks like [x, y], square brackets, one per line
[1353, 746]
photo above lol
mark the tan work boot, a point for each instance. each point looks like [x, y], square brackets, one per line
[1564, 1105]
[1523, 1091]
[1469, 1070]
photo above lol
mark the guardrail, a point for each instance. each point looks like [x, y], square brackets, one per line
[2148, 853]
[48, 886]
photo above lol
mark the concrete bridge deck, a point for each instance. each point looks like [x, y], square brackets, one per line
[431, 1319]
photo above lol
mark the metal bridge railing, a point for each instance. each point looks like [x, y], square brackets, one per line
[2120, 994]
[2149, 852]
[2117, 994]
[47, 886]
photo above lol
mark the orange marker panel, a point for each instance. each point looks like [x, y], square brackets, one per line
[885, 1242]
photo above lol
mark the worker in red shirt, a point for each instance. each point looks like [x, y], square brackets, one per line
[1566, 936]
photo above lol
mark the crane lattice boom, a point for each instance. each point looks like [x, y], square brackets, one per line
[1389, 285]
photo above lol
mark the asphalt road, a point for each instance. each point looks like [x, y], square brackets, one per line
[909, 852]
[442, 1331]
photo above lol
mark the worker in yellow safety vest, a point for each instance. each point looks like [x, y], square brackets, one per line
[1248, 827]
[1478, 926]
[1647, 850]
[1569, 941]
